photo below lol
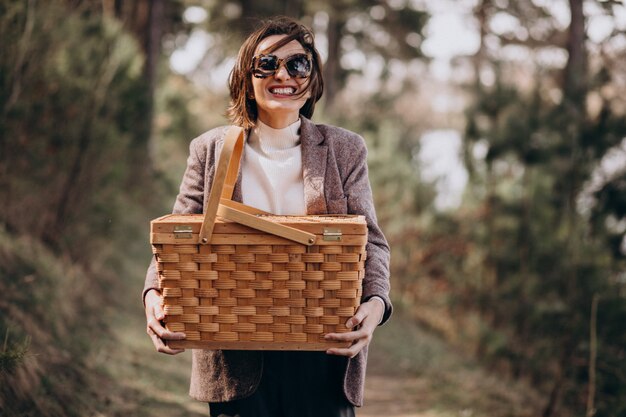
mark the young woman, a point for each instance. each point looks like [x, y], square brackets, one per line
[290, 166]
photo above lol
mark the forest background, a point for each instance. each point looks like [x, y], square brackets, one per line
[496, 133]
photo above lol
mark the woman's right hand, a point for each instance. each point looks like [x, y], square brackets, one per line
[156, 331]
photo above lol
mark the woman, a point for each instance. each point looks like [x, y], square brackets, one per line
[290, 166]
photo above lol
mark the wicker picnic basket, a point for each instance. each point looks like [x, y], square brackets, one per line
[238, 278]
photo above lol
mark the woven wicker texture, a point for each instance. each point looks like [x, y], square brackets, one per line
[249, 280]
[259, 296]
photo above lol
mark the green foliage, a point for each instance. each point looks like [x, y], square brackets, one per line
[403, 200]
[50, 307]
[541, 259]
[176, 124]
[75, 195]
[70, 95]
[12, 355]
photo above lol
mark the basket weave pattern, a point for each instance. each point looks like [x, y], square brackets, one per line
[250, 280]
[286, 295]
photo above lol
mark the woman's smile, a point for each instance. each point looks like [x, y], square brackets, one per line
[282, 91]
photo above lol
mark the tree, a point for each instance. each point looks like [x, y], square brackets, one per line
[71, 100]
[72, 115]
[539, 252]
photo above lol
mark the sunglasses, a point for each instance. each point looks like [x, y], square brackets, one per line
[297, 65]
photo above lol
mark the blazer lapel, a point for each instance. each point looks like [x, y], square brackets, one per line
[314, 155]
[237, 194]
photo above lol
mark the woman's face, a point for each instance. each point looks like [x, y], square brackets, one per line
[278, 96]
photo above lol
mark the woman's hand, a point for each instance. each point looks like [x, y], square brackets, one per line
[156, 331]
[367, 317]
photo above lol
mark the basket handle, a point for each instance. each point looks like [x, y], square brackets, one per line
[234, 136]
[222, 189]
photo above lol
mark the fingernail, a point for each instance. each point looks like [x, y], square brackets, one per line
[349, 324]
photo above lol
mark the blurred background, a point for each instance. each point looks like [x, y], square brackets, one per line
[497, 152]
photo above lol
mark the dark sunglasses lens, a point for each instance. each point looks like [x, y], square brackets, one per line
[298, 66]
[267, 63]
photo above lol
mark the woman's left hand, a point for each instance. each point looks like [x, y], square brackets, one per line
[367, 318]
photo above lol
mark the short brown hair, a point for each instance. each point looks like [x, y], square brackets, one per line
[243, 109]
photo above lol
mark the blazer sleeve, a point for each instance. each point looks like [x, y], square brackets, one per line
[360, 200]
[189, 200]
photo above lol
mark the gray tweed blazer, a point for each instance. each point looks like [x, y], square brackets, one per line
[334, 162]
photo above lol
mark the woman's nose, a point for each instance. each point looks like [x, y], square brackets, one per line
[282, 73]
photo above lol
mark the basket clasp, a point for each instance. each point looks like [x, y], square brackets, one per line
[332, 235]
[182, 232]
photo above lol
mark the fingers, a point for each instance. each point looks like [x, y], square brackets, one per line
[159, 334]
[360, 337]
[161, 346]
[158, 312]
[350, 352]
[351, 337]
[153, 301]
[355, 320]
[365, 311]
[155, 326]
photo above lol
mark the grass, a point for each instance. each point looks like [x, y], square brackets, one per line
[149, 383]
[12, 355]
[45, 303]
[414, 373]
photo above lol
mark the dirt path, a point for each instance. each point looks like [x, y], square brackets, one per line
[413, 373]
[410, 374]
[155, 384]
[396, 396]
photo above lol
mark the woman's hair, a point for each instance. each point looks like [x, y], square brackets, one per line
[243, 108]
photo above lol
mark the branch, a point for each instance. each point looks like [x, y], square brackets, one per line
[19, 62]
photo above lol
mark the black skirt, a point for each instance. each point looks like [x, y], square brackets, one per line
[294, 384]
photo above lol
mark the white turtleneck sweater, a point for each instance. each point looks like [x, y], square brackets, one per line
[272, 170]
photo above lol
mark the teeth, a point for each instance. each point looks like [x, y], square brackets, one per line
[283, 90]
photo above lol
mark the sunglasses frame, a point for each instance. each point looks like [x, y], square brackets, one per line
[259, 73]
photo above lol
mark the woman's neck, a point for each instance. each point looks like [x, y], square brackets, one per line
[278, 121]
[265, 138]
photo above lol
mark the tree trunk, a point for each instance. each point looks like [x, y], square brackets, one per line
[154, 32]
[145, 19]
[555, 398]
[332, 68]
[575, 83]
[481, 14]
